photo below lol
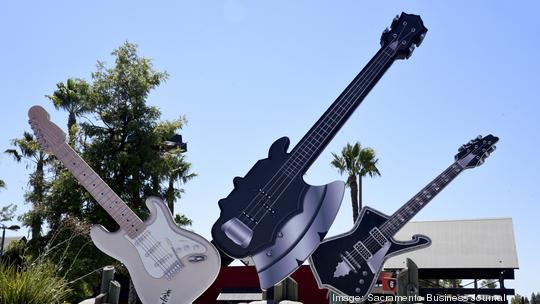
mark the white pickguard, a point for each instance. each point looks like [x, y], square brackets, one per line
[168, 265]
[161, 249]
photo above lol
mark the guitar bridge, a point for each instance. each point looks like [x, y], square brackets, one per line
[238, 232]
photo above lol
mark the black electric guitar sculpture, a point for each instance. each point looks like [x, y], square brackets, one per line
[272, 215]
[349, 264]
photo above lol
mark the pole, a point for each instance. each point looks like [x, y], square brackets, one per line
[270, 295]
[2, 246]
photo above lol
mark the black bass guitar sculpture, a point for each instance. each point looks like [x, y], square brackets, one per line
[349, 264]
[167, 264]
[274, 216]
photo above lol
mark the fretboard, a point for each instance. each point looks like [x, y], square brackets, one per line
[421, 199]
[322, 132]
[102, 193]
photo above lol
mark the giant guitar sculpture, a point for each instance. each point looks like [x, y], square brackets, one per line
[167, 264]
[349, 264]
[274, 216]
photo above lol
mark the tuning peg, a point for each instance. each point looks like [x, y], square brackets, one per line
[493, 148]
[383, 36]
[394, 21]
[411, 50]
[479, 137]
[461, 149]
[420, 39]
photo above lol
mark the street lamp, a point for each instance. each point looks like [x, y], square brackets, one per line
[12, 227]
[175, 142]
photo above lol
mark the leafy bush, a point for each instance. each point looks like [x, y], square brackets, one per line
[32, 284]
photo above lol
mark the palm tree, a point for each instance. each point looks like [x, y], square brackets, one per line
[71, 97]
[357, 162]
[178, 170]
[28, 149]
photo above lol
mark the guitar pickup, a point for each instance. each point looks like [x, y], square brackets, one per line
[378, 236]
[362, 250]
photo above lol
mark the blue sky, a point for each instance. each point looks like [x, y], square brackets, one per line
[247, 73]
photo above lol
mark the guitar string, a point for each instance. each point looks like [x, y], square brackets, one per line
[450, 173]
[337, 108]
[285, 164]
[349, 104]
[67, 163]
[352, 104]
[147, 241]
[313, 130]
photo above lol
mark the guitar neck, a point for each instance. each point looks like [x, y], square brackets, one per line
[421, 199]
[102, 193]
[322, 132]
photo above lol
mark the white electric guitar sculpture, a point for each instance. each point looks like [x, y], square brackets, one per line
[167, 264]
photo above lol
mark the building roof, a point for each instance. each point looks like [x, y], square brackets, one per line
[475, 243]
[10, 239]
[239, 296]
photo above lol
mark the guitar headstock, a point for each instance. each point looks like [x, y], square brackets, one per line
[49, 135]
[406, 32]
[475, 152]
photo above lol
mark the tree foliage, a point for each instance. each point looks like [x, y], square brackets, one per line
[121, 138]
[26, 149]
[7, 213]
[357, 162]
[519, 299]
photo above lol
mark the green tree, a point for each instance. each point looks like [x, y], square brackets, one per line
[357, 162]
[122, 141]
[71, 97]
[451, 283]
[28, 149]
[7, 213]
[489, 283]
[178, 171]
[516, 299]
[535, 298]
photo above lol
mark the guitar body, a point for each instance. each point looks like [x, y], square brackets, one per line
[349, 264]
[283, 240]
[275, 217]
[167, 264]
[249, 239]
[337, 267]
